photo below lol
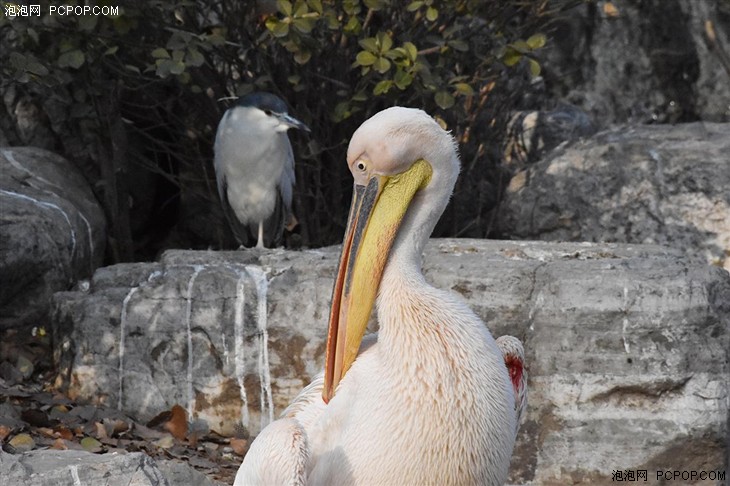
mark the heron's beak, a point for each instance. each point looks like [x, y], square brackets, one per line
[292, 122]
[376, 213]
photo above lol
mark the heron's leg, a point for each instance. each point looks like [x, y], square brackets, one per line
[260, 243]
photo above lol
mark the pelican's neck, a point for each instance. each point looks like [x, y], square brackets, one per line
[403, 280]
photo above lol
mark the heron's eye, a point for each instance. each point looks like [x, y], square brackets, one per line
[360, 166]
[268, 112]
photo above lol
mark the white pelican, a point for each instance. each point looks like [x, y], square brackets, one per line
[428, 400]
[254, 165]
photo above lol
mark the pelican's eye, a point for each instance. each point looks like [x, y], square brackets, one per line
[361, 166]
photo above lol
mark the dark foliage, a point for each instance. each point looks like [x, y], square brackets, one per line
[132, 99]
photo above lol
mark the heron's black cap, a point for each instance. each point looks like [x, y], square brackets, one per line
[263, 101]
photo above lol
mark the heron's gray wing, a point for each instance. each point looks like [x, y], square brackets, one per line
[240, 232]
[288, 178]
[275, 224]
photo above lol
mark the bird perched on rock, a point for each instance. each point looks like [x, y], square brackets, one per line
[254, 166]
[428, 400]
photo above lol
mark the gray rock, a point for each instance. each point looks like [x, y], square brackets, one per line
[642, 62]
[57, 468]
[666, 185]
[627, 345]
[52, 232]
[72, 468]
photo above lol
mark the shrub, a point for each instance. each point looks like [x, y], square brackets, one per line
[132, 98]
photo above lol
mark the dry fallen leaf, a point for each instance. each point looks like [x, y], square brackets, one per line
[177, 425]
[22, 443]
[165, 442]
[46, 431]
[239, 446]
[59, 445]
[4, 432]
[610, 10]
[100, 431]
[90, 444]
[63, 433]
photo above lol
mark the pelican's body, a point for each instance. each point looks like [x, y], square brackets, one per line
[429, 399]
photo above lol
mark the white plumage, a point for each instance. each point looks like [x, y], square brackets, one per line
[428, 400]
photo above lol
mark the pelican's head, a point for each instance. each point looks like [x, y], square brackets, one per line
[399, 158]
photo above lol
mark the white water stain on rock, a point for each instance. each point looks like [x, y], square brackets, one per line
[14, 162]
[262, 285]
[189, 336]
[48, 205]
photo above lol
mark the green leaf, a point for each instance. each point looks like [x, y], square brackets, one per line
[413, 6]
[432, 14]
[303, 56]
[464, 88]
[511, 57]
[284, 7]
[160, 53]
[385, 41]
[365, 58]
[381, 65]
[352, 26]
[276, 27]
[305, 24]
[534, 67]
[90, 444]
[403, 79]
[316, 5]
[369, 44]
[536, 41]
[111, 50]
[374, 4]
[217, 38]
[458, 45]
[194, 58]
[521, 46]
[411, 50]
[360, 96]
[382, 87]
[74, 59]
[300, 9]
[444, 100]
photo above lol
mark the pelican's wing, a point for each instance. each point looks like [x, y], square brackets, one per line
[239, 230]
[279, 455]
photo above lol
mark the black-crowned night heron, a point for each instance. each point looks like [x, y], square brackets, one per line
[254, 165]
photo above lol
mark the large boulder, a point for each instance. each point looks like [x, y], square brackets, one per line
[639, 62]
[52, 232]
[660, 184]
[627, 345]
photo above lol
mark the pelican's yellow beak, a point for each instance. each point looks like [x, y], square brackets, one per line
[375, 215]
